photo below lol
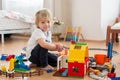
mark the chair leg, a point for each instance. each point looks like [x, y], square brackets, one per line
[116, 37]
[113, 37]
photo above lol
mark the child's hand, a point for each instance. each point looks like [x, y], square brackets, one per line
[59, 47]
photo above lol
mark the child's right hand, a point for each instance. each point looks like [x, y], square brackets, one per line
[59, 47]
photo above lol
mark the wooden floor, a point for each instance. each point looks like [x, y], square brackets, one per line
[15, 44]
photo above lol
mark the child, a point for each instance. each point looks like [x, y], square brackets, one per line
[40, 42]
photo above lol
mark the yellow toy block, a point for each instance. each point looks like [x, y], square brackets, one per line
[69, 29]
[87, 52]
[11, 64]
[76, 56]
[3, 68]
[78, 53]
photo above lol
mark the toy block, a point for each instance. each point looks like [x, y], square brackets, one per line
[117, 78]
[23, 67]
[110, 48]
[62, 70]
[74, 37]
[65, 72]
[81, 43]
[111, 75]
[95, 71]
[76, 69]
[59, 62]
[62, 62]
[78, 59]
[3, 69]
[69, 29]
[76, 56]
[109, 66]
[86, 63]
[73, 42]
[21, 56]
[4, 56]
[49, 70]
[10, 57]
[11, 64]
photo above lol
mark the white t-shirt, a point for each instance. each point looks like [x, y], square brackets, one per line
[37, 34]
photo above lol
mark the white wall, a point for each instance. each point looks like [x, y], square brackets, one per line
[0, 4]
[94, 16]
[66, 15]
[109, 11]
[86, 14]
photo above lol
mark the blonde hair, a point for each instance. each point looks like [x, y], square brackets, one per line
[41, 14]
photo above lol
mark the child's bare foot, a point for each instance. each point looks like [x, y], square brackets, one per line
[48, 67]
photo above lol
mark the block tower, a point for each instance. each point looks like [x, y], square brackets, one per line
[78, 59]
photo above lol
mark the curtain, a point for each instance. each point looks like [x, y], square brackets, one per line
[50, 4]
[29, 7]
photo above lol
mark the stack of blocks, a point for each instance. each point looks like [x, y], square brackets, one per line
[78, 59]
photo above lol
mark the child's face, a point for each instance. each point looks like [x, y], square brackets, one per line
[44, 24]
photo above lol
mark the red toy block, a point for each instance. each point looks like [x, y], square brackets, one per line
[111, 75]
[76, 69]
[73, 42]
[86, 63]
[62, 70]
[9, 57]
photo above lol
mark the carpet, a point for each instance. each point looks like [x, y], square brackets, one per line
[114, 53]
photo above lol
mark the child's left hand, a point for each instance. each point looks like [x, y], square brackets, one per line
[59, 47]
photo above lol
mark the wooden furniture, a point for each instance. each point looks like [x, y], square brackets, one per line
[112, 34]
[56, 36]
[8, 25]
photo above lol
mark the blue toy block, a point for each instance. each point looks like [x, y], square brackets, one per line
[65, 72]
[24, 67]
[110, 48]
[49, 70]
[117, 78]
[74, 38]
[17, 66]
[4, 56]
[21, 56]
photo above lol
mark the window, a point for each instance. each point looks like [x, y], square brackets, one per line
[28, 7]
